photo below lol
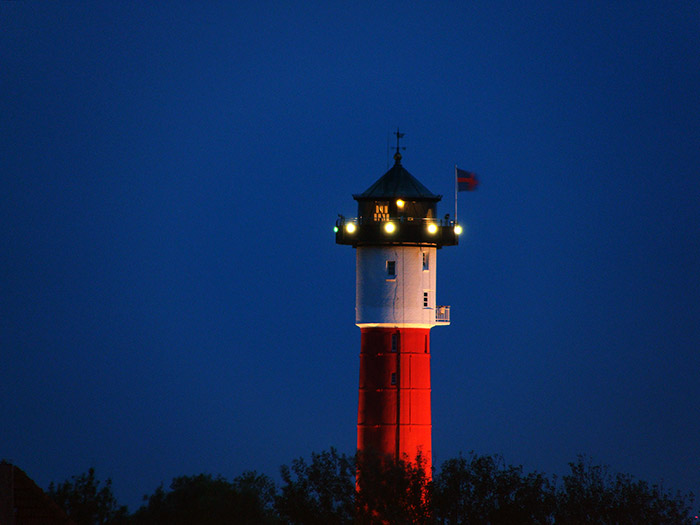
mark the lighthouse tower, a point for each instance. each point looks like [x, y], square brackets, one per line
[396, 235]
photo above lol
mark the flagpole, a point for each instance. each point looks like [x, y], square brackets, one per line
[455, 193]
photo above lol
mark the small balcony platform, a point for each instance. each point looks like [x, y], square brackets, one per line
[442, 315]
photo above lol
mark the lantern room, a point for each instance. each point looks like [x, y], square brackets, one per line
[397, 209]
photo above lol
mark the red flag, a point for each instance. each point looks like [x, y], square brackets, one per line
[466, 180]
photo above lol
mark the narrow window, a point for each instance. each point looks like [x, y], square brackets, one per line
[394, 342]
[391, 269]
[381, 211]
[425, 300]
[426, 261]
[393, 378]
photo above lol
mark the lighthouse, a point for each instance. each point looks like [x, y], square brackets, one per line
[396, 235]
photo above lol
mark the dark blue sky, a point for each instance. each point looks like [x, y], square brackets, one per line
[172, 300]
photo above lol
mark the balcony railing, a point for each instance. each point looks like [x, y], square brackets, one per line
[397, 230]
[442, 314]
[401, 219]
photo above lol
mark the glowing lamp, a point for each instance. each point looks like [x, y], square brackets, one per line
[400, 203]
[432, 228]
[350, 227]
[390, 227]
[458, 229]
[335, 229]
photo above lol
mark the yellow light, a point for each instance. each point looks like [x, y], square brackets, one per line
[390, 227]
[350, 227]
[400, 203]
[432, 228]
[458, 230]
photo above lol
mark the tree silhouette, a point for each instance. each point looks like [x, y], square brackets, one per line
[591, 495]
[336, 489]
[210, 500]
[85, 502]
[484, 490]
[322, 491]
[391, 490]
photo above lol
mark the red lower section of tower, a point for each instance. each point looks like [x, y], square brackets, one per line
[394, 416]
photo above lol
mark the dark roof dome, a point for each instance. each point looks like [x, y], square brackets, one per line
[395, 183]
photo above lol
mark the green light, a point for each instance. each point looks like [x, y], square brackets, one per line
[335, 229]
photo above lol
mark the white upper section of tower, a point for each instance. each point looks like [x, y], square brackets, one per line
[396, 286]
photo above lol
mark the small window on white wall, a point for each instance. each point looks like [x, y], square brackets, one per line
[426, 261]
[426, 300]
[391, 269]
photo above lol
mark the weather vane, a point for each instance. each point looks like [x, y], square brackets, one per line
[399, 136]
[397, 155]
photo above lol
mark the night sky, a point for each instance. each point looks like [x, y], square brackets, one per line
[172, 300]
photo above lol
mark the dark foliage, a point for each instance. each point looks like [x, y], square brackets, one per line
[333, 488]
[483, 490]
[391, 491]
[321, 492]
[86, 503]
[336, 489]
[205, 499]
[591, 495]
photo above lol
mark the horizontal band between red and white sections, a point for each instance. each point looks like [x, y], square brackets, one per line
[380, 425]
[393, 388]
[394, 325]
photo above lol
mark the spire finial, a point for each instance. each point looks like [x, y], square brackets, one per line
[397, 155]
